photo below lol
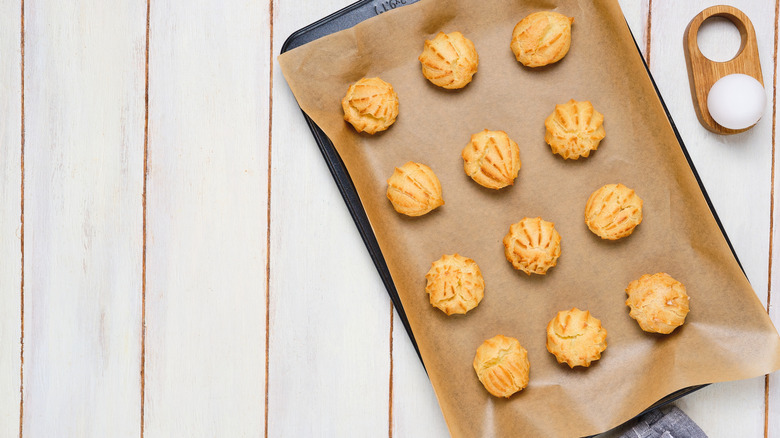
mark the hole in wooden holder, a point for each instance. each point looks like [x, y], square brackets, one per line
[720, 39]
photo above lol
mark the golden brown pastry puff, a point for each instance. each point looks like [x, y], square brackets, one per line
[370, 105]
[576, 337]
[502, 365]
[492, 159]
[449, 60]
[574, 129]
[414, 189]
[658, 302]
[542, 38]
[532, 245]
[455, 284]
[613, 211]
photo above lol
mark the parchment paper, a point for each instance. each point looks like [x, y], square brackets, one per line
[727, 334]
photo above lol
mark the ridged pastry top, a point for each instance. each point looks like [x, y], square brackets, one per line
[492, 159]
[613, 211]
[542, 38]
[576, 337]
[370, 105]
[532, 245]
[502, 365]
[414, 189]
[574, 129]
[658, 302]
[455, 284]
[449, 60]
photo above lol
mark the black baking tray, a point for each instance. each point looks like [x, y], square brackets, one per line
[363, 10]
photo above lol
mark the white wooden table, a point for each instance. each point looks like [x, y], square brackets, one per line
[176, 260]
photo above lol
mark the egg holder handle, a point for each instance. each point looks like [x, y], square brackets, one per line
[704, 72]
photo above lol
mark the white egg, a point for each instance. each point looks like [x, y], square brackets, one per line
[736, 101]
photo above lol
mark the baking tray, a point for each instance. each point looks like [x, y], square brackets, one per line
[363, 10]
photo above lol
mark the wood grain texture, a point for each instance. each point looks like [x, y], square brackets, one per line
[84, 112]
[206, 219]
[736, 171]
[10, 216]
[329, 311]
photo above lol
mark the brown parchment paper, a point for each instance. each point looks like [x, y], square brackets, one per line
[727, 334]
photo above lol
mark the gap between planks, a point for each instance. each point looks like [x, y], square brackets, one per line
[143, 203]
[268, 208]
[771, 209]
[647, 31]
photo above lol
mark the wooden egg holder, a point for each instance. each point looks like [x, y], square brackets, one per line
[704, 72]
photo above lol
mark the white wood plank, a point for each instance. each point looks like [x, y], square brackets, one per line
[416, 411]
[83, 164]
[636, 13]
[728, 409]
[206, 219]
[736, 171]
[773, 397]
[330, 314]
[10, 215]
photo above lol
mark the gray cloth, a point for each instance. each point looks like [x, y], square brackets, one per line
[668, 422]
